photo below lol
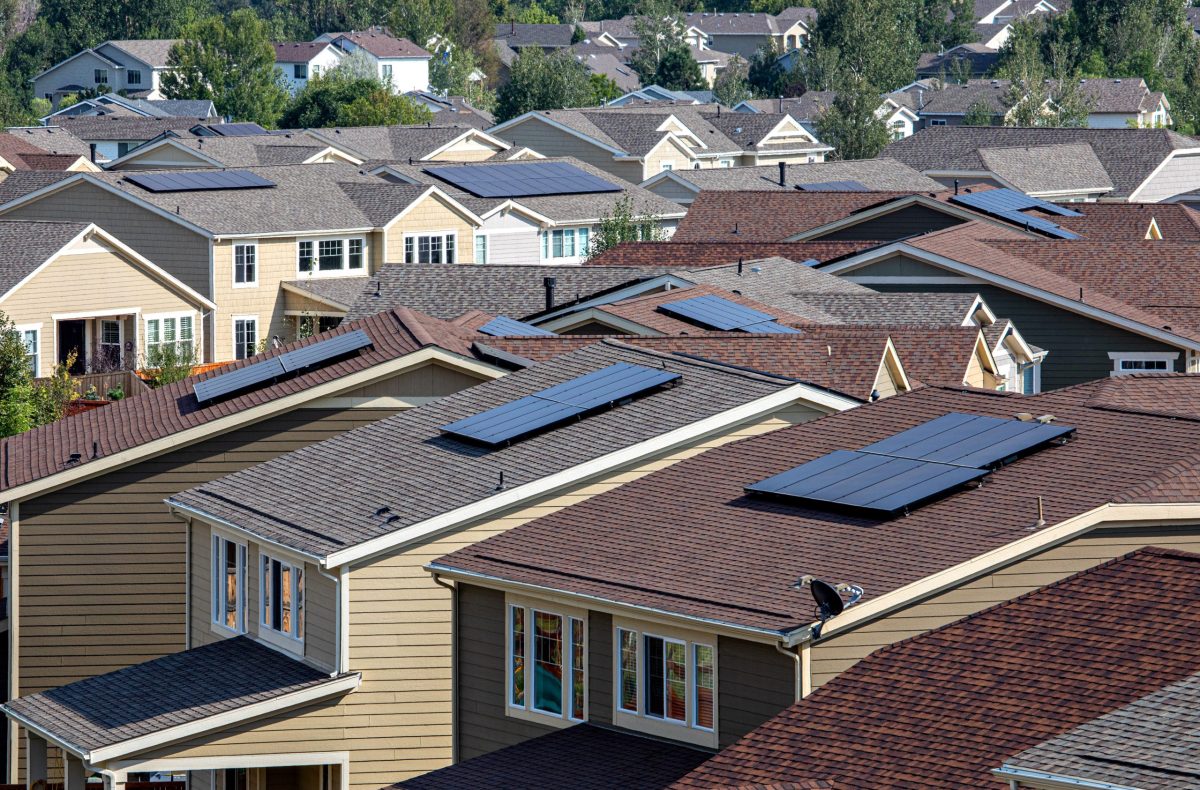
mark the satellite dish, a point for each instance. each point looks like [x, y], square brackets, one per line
[827, 598]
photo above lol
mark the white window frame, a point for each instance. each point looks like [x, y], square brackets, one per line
[1119, 358]
[666, 166]
[526, 710]
[726, 163]
[249, 245]
[300, 71]
[293, 641]
[217, 541]
[481, 239]
[36, 357]
[386, 73]
[689, 730]
[161, 317]
[100, 344]
[412, 245]
[581, 239]
[234, 338]
[345, 270]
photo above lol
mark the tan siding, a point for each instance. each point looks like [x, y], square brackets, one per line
[432, 215]
[430, 380]
[842, 650]
[550, 141]
[468, 150]
[885, 383]
[163, 156]
[669, 151]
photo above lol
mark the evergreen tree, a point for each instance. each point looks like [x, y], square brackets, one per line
[342, 99]
[538, 81]
[534, 14]
[679, 71]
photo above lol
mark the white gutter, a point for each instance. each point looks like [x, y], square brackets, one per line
[1014, 775]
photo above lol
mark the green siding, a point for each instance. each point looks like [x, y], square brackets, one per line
[754, 682]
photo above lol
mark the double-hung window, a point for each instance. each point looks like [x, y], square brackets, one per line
[245, 264]
[387, 74]
[666, 679]
[547, 663]
[430, 248]
[133, 77]
[245, 336]
[300, 71]
[229, 583]
[100, 76]
[331, 256]
[30, 338]
[481, 248]
[565, 243]
[169, 335]
[282, 597]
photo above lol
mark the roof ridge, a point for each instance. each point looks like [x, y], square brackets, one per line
[754, 375]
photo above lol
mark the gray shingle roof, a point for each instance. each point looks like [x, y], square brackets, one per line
[547, 36]
[875, 174]
[406, 465]
[515, 291]
[340, 290]
[299, 51]
[178, 689]
[93, 128]
[1048, 168]
[52, 139]
[958, 99]
[391, 143]
[1128, 155]
[28, 244]
[252, 150]
[770, 279]
[151, 51]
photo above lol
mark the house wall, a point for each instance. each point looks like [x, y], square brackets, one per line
[408, 74]
[468, 150]
[431, 215]
[321, 63]
[169, 245]
[162, 156]
[80, 71]
[550, 141]
[512, 239]
[842, 649]
[399, 723]
[1078, 345]
[895, 225]
[670, 151]
[1112, 120]
[673, 192]
[96, 281]
[1181, 174]
[746, 46]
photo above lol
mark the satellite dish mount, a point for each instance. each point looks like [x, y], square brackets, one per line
[829, 598]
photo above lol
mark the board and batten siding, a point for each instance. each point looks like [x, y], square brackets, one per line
[398, 724]
[167, 244]
[842, 650]
[548, 140]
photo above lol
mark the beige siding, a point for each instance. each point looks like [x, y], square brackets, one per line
[669, 151]
[673, 191]
[432, 215]
[163, 156]
[551, 141]
[885, 382]
[469, 150]
[842, 650]
[169, 245]
[428, 381]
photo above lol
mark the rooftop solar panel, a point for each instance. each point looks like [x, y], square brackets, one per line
[968, 439]
[559, 403]
[237, 129]
[325, 350]
[237, 380]
[1010, 204]
[196, 182]
[834, 186]
[522, 179]
[502, 326]
[724, 314]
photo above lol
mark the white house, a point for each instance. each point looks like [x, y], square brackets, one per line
[133, 66]
[301, 61]
[401, 64]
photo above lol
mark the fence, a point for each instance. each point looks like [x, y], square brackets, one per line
[126, 380]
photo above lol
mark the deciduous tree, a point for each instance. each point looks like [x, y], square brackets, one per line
[538, 81]
[851, 125]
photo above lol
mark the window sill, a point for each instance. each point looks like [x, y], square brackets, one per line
[224, 631]
[662, 728]
[245, 285]
[537, 717]
[281, 641]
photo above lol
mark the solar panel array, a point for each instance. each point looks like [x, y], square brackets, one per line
[912, 466]
[237, 129]
[197, 182]
[723, 314]
[834, 186]
[276, 367]
[558, 404]
[1010, 204]
[522, 179]
[502, 326]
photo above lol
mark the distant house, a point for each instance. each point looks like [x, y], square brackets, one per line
[637, 142]
[17, 154]
[547, 37]
[894, 110]
[115, 104]
[744, 33]
[977, 59]
[455, 109]
[174, 152]
[652, 94]
[133, 66]
[300, 61]
[989, 12]
[103, 138]
[401, 64]
[610, 65]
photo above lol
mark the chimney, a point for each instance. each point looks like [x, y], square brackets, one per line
[548, 283]
[783, 174]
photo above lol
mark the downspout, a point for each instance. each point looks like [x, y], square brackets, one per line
[337, 621]
[187, 585]
[794, 655]
[453, 588]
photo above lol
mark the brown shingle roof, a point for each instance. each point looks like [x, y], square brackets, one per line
[716, 553]
[383, 45]
[678, 254]
[24, 155]
[936, 356]
[299, 51]
[945, 708]
[1130, 221]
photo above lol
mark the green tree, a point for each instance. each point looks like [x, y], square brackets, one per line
[538, 81]
[231, 62]
[942, 24]
[978, 114]
[876, 40]
[451, 72]
[23, 404]
[339, 99]
[534, 14]
[851, 125]
[764, 74]
[732, 85]
[622, 225]
[419, 20]
[679, 71]
[659, 28]
[381, 107]
[604, 89]
[1041, 92]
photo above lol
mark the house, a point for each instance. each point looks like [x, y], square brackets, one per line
[362, 577]
[16, 153]
[1143, 165]
[546, 37]
[988, 12]
[883, 175]
[116, 104]
[71, 288]
[300, 61]
[944, 684]
[992, 35]
[254, 241]
[744, 33]
[456, 108]
[452, 142]
[975, 59]
[894, 110]
[101, 516]
[104, 138]
[524, 223]
[653, 94]
[175, 152]
[740, 638]
[401, 64]
[637, 142]
[134, 66]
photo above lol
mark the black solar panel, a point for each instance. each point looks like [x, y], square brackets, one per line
[1010, 204]
[559, 403]
[238, 380]
[968, 439]
[834, 186]
[725, 315]
[237, 129]
[325, 350]
[197, 182]
[502, 326]
[523, 179]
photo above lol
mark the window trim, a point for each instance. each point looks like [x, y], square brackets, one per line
[296, 71]
[97, 76]
[1119, 357]
[252, 244]
[527, 711]
[411, 246]
[233, 321]
[21, 329]
[130, 74]
[267, 632]
[482, 237]
[345, 270]
[579, 246]
[146, 319]
[216, 574]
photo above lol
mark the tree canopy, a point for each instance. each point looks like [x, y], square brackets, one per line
[340, 99]
[538, 81]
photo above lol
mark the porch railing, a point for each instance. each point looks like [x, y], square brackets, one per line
[127, 380]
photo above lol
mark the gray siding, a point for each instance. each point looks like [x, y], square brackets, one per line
[600, 667]
[1181, 174]
[896, 225]
[754, 682]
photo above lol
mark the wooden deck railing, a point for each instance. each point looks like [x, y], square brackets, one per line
[127, 380]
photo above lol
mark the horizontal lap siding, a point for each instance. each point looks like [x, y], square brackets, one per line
[895, 225]
[550, 141]
[842, 650]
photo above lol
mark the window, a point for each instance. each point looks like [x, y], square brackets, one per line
[309, 325]
[245, 264]
[316, 71]
[133, 77]
[387, 74]
[169, 334]
[481, 249]
[1030, 384]
[331, 256]
[229, 584]
[565, 243]
[665, 166]
[300, 71]
[547, 663]
[124, 148]
[1142, 362]
[434, 248]
[30, 336]
[282, 597]
[937, 122]
[101, 76]
[695, 165]
[245, 337]
[726, 163]
[666, 679]
[110, 343]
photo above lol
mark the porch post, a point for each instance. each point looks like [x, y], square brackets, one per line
[35, 758]
[74, 778]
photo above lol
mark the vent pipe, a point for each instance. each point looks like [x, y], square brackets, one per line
[783, 174]
[781, 105]
[739, 267]
[92, 152]
[956, 186]
[549, 283]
